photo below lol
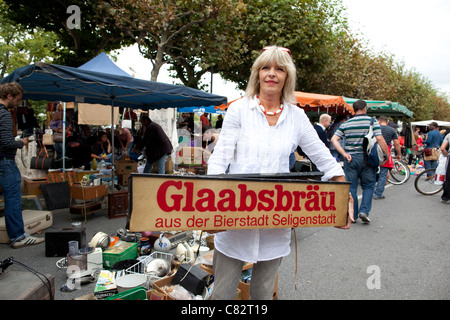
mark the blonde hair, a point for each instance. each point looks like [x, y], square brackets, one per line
[323, 117]
[282, 59]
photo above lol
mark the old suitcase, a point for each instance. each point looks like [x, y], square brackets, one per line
[117, 204]
[22, 285]
[34, 221]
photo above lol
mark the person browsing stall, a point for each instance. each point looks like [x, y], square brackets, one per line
[434, 140]
[102, 149]
[258, 134]
[156, 143]
[10, 178]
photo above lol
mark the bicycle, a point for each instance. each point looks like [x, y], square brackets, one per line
[427, 184]
[399, 174]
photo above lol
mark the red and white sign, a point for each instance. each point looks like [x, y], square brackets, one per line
[172, 203]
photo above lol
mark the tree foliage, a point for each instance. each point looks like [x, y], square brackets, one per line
[75, 46]
[180, 33]
[19, 47]
[219, 36]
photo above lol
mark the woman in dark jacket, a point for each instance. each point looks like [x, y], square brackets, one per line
[157, 145]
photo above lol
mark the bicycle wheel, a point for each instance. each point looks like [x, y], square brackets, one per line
[425, 183]
[399, 173]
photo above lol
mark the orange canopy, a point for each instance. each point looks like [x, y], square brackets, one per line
[323, 102]
[313, 102]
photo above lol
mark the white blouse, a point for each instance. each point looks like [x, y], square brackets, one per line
[249, 145]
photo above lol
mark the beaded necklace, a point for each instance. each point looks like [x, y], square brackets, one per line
[268, 112]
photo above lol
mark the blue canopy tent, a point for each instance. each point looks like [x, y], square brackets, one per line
[51, 82]
[42, 81]
[209, 109]
[102, 63]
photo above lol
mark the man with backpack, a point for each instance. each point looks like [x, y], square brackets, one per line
[356, 166]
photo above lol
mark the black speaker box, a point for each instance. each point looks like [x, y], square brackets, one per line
[57, 240]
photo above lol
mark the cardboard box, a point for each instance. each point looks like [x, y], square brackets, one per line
[168, 168]
[245, 290]
[160, 284]
[33, 186]
[123, 179]
[125, 166]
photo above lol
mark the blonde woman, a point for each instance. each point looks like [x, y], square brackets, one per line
[258, 134]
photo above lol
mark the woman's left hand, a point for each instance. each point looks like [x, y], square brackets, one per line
[350, 214]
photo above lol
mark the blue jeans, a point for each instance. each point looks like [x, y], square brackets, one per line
[59, 150]
[161, 164]
[428, 164]
[291, 160]
[382, 176]
[355, 171]
[10, 181]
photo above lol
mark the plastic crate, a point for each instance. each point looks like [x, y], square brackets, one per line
[140, 267]
[138, 293]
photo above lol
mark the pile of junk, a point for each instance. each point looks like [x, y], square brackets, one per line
[141, 265]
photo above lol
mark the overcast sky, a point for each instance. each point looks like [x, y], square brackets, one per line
[416, 32]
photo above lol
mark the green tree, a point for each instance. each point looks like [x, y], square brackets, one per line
[309, 28]
[19, 47]
[171, 32]
[75, 46]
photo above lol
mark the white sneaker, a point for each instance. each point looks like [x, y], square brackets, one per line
[364, 217]
[27, 241]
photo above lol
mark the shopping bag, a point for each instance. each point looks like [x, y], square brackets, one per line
[390, 162]
[440, 171]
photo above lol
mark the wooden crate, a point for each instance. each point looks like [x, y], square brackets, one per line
[33, 186]
[88, 193]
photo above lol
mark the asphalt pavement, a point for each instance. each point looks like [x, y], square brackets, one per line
[403, 254]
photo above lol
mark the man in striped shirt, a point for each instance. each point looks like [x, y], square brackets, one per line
[356, 167]
[10, 178]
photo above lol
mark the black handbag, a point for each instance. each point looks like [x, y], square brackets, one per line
[57, 137]
[42, 161]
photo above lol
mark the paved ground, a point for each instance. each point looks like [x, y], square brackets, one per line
[406, 244]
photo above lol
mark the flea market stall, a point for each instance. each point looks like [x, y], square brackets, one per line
[315, 104]
[378, 108]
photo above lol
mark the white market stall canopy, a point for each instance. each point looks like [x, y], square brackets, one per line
[427, 122]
